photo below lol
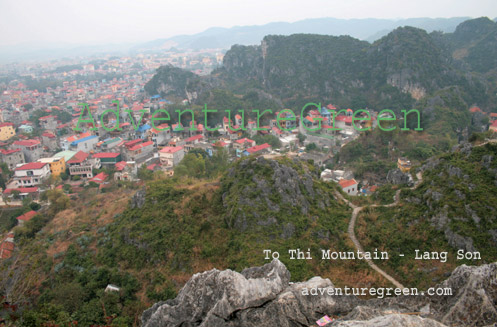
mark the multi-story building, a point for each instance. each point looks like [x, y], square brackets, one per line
[32, 149]
[49, 140]
[140, 152]
[57, 164]
[108, 158]
[12, 158]
[81, 165]
[6, 131]
[31, 174]
[48, 122]
[170, 156]
[84, 144]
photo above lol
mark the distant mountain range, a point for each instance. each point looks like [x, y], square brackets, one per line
[369, 29]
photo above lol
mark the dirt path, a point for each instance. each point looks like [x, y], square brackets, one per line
[353, 219]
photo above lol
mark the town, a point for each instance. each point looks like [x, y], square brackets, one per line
[67, 131]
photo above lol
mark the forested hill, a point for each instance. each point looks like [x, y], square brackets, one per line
[395, 71]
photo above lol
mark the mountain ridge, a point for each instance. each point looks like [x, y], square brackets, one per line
[368, 29]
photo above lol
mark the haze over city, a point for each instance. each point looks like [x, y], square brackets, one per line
[33, 22]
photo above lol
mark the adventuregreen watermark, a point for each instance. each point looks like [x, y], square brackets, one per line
[361, 115]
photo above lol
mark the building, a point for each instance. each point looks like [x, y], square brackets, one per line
[404, 165]
[66, 154]
[241, 145]
[31, 174]
[141, 151]
[125, 171]
[57, 165]
[108, 158]
[12, 158]
[170, 156]
[86, 144]
[49, 140]
[99, 178]
[22, 219]
[6, 131]
[81, 165]
[493, 126]
[66, 143]
[349, 186]
[23, 192]
[160, 135]
[26, 129]
[191, 141]
[32, 149]
[48, 122]
[258, 149]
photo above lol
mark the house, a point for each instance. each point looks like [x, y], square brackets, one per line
[125, 171]
[159, 135]
[205, 147]
[7, 131]
[191, 141]
[403, 164]
[142, 131]
[86, 144]
[31, 174]
[171, 156]
[32, 149]
[258, 149]
[81, 165]
[24, 192]
[110, 143]
[12, 158]
[65, 143]
[66, 154]
[25, 129]
[22, 219]
[241, 145]
[327, 175]
[141, 151]
[349, 186]
[337, 175]
[287, 120]
[48, 122]
[57, 165]
[493, 126]
[108, 158]
[49, 140]
[99, 178]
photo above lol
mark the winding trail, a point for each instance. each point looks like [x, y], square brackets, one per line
[353, 219]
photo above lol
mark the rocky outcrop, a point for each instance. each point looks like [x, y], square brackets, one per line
[396, 176]
[263, 296]
[138, 199]
[279, 188]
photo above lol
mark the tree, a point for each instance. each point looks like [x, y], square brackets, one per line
[301, 138]
[270, 139]
[144, 173]
[311, 147]
[192, 165]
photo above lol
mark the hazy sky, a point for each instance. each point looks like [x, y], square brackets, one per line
[99, 21]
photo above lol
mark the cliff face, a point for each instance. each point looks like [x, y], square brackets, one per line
[393, 72]
[262, 296]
